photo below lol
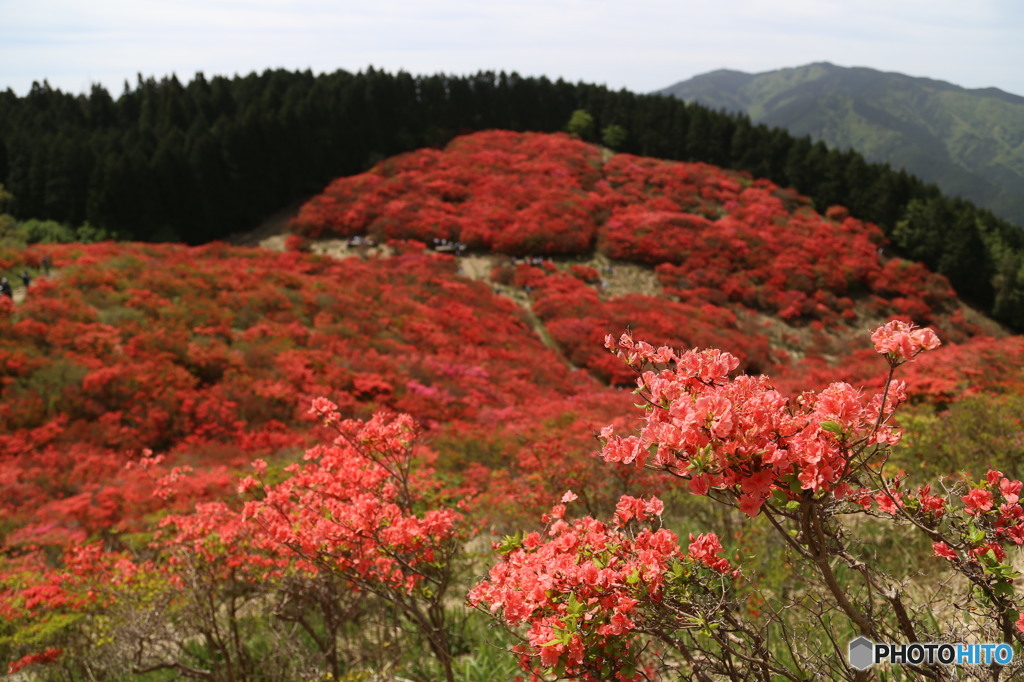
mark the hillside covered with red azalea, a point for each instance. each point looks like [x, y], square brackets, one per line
[741, 264]
[140, 383]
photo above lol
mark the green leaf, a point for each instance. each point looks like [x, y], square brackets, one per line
[1005, 589]
[510, 543]
[832, 427]
[975, 535]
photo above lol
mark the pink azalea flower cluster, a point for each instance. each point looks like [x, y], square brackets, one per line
[974, 534]
[900, 341]
[739, 434]
[581, 588]
[349, 508]
[992, 518]
[707, 549]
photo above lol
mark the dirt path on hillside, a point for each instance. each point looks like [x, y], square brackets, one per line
[477, 266]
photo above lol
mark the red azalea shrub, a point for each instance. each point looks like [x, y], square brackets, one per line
[576, 318]
[591, 599]
[206, 355]
[585, 589]
[585, 273]
[352, 507]
[362, 510]
[645, 236]
[512, 193]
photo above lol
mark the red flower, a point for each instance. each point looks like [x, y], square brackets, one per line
[700, 485]
[1010, 490]
[705, 548]
[943, 550]
[901, 341]
[977, 500]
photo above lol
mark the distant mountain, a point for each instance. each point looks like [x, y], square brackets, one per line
[969, 142]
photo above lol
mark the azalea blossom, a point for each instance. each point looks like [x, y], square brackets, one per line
[977, 500]
[901, 341]
[941, 549]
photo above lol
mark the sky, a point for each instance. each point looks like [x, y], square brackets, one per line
[639, 45]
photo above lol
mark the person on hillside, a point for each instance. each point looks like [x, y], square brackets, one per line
[5, 288]
[26, 278]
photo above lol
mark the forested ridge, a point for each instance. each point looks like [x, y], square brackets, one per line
[196, 162]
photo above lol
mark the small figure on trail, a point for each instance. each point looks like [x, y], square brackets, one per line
[47, 264]
[5, 288]
[26, 278]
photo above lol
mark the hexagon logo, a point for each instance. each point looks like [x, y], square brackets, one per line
[862, 653]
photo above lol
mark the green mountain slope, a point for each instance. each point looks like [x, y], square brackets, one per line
[969, 142]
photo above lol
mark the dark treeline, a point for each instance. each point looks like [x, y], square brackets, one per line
[196, 162]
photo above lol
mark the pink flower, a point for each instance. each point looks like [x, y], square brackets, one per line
[705, 548]
[943, 550]
[901, 341]
[1016, 534]
[625, 450]
[699, 485]
[557, 512]
[993, 547]
[654, 507]
[887, 502]
[1010, 490]
[550, 653]
[325, 409]
[758, 483]
[247, 484]
[751, 504]
[931, 504]
[977, 500]
[636, 508]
